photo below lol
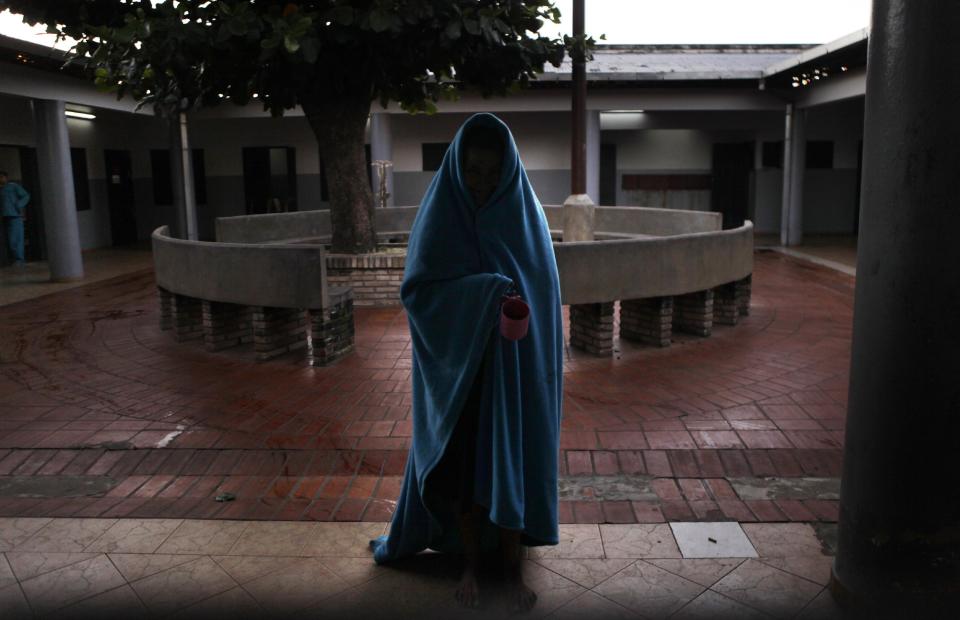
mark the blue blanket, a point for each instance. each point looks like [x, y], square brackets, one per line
[460, 260]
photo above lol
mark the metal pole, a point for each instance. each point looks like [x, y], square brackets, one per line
[787, 178]
[578, 159]
[189, 196]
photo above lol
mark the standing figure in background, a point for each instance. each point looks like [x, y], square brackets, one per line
[13, 203]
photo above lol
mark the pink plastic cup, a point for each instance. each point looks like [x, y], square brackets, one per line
[514, 318]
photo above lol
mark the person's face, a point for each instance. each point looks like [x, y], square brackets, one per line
[3, 180]
[481, 173]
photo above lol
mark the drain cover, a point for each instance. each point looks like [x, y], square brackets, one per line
[54, 486]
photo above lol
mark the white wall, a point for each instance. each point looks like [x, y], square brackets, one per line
[679, 142]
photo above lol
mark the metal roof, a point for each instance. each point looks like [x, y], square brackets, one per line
[680, 62]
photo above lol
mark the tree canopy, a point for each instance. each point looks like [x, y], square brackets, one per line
[330, 57]
[177, 54]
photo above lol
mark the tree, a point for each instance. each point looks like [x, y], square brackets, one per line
[331, 57]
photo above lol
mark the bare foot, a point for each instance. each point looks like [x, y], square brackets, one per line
[520, 596]
[467, 592]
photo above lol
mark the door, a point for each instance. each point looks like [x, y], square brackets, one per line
[608, 175]
[730, 186]
[120, 198]
[269, 179]
[34, 238]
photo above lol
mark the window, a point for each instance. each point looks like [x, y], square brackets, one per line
[433, 153]
[773, 154]
[819, 154]
[81, 184]
[163, 181]
[199, 176]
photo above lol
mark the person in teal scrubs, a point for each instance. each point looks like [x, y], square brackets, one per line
[13, 202]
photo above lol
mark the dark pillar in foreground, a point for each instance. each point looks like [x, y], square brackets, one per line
[899, 541]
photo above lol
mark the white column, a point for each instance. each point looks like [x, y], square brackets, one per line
[59, 202]
[381, 147]
[593, 155]
[794, 164]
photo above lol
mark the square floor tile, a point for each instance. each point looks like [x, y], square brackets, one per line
[713, 540]
[576, 541]
[638, 541]
[768, 589]
[649, 590]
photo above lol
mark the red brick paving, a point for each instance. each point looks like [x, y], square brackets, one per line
[89, 385]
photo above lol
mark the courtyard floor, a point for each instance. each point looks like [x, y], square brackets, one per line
[106, 422]
[96, 568]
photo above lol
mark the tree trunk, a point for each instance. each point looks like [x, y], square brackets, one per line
[340, 127]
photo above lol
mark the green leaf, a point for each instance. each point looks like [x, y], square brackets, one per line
[453, 30]
[343, 15]
[471, 26]
[237, 27]
[379, 21]
[291, 44]
[311, 49]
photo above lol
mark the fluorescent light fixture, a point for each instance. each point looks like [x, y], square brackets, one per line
[625, 111]
[83, 115]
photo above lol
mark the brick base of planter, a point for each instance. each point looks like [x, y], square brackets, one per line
[166, 308]
[693, 313]
[226, 325]
[647, 320]
[726, 307]
[744, 287]
[591, 327]
[277, 331]
[187, 315]
[374, 278]
[331, 328]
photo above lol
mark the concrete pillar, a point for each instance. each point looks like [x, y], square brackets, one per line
[794, 165]
[381, 147]
[647, 320]
[226, 325]
[331, 329]
[59, 203]
[899, 533]
[591, 327]
[578, 218]
[693, 313]
[593, 155]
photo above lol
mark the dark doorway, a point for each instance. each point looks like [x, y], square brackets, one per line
[730, 188]
[608, 175]
[120, 198]
[20, 162]
[269, 179]
[34, 237]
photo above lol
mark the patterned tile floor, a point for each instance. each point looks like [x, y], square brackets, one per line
[96, 568]
[102, 414]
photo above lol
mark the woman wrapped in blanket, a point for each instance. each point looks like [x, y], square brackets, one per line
[481, 476]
